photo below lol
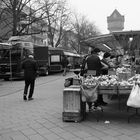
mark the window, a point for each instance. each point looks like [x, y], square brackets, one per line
[55, 58]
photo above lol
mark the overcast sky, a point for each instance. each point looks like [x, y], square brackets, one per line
[98, 10]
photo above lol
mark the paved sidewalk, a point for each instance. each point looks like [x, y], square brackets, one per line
[41, 119]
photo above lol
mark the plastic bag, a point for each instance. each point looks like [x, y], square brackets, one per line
[68, 82]
[134, 97]
[89, 93]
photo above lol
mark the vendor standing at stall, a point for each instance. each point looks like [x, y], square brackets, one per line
[94, 65]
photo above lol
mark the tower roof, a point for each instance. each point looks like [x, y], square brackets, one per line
[115, 14]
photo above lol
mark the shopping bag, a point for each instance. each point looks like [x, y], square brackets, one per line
[89, 93]
[68, 82]
[134, 97]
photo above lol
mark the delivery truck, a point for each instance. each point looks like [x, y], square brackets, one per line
[12, 56]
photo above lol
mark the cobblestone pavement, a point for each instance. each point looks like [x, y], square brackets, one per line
[41, 118]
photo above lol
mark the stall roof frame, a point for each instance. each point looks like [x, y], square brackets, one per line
[111, 40]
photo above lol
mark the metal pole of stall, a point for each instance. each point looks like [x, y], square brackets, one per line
[10, 65]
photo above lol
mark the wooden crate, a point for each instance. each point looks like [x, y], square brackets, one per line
[124, 76]
[111, 72]
[72, 116]
[76, 81]
[72, 81]
[75, 116]
[124, 89]
[107, 90]
[72, 104]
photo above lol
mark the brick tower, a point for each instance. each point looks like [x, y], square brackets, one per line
[115, 21]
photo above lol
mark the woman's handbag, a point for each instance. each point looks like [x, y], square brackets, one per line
[134, 97]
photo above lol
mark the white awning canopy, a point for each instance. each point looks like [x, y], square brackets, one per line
[71, 54]
[115, 41]
[5, 46]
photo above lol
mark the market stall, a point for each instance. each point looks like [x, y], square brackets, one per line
[119, 81]
[83, 89]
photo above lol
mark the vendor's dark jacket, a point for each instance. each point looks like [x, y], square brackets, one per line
[83, 70]
[105, 71]
[94, 63]
[30, 69]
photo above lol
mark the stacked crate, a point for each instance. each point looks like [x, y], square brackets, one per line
[76, 81]
[124, 76]
[73, 107]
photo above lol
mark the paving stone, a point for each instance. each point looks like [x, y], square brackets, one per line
[109, 138]
[35, 125]
[124, 137]
[57, 130]
[75, 139]
[49, 125]
[112, 132]
[98, 134]
[82, 134]
[36, 137]
[3, 137]
[3, 131]
[19, 137]
[43, 130]
[52, 136]
[41, 119]
[12, 133]
[127, 132]
[136, 136]
[67, 136]
[91, 138]
[70, 128]
[29, 132]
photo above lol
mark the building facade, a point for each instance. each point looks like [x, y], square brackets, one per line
[37, 30]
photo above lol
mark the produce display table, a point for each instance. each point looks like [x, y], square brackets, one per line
[123, 90]
[110, 84]
[115, 90]
[78, 92]
[107, 90]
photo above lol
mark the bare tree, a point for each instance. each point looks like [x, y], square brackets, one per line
[83, 30]
[57, 19]
[17, 16]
